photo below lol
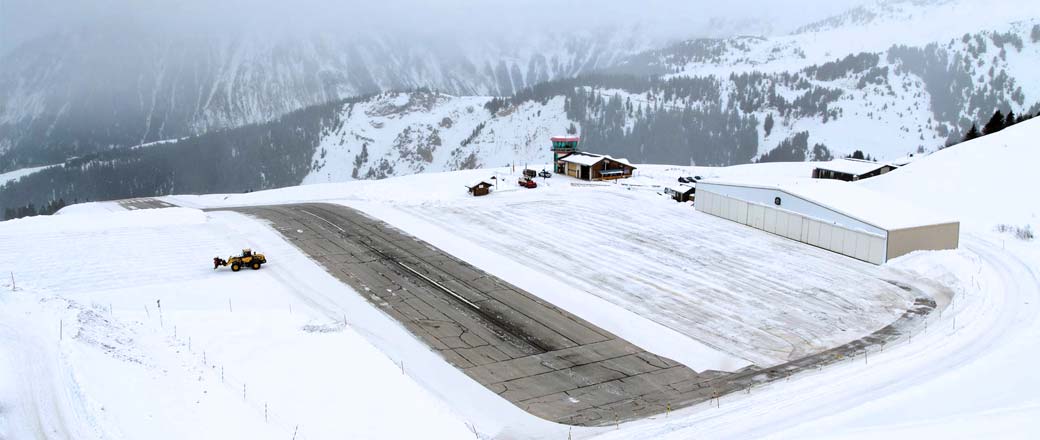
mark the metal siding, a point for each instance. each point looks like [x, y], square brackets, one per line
[862, 246]
[770, 221]
[781, 223]
[814, 233]
[876, 254]
[837, 237]
[849, 246]
[825, 235]
[758, 216]
[794, 227]
[706, 201]
[742, 212]
[853, 243]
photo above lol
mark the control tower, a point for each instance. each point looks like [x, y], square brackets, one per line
[562, 146]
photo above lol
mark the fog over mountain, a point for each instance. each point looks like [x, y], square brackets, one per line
[24, 19]
[237, 96]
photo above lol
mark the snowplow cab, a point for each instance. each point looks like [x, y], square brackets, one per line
[250, 259]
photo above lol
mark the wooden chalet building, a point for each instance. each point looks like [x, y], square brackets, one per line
[681, 193]
[479, 188]
[850, 170]
[594, 167]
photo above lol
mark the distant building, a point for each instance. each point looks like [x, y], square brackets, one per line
[588, 166]
[850, 170]
[681, 193]
[840, 217]
[479, 188]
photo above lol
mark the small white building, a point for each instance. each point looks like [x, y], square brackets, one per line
[834, 215]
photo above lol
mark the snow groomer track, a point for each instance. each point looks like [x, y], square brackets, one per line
[539, 357]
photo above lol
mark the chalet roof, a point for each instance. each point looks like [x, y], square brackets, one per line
[589, 159]
[475, 183]
[854, 167]
[679, 188]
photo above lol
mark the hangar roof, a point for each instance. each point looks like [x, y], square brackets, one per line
[853, 200]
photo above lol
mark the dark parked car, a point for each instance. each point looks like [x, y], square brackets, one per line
[545, 174]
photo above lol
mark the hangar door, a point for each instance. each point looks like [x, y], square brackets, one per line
[860, 245]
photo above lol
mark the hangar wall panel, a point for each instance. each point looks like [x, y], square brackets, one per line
[933, 238]
[857, 244]
[767, 197]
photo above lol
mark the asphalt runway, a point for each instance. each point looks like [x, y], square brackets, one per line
[541, 358]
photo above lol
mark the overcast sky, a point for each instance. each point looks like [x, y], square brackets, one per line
[22, 19]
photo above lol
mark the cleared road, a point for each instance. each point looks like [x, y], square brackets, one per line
[541, 358]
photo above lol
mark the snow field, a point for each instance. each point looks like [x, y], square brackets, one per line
[122, 372]
[747, 295]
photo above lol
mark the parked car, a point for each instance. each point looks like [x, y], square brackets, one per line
[545, 174]
[526, 182]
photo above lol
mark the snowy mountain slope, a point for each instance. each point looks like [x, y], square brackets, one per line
[162, 87]
[996, 165]
[888, 102]
[408, 133]
[719, 102]
[871, 28]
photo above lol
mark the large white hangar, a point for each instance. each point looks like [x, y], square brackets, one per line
[842, 217]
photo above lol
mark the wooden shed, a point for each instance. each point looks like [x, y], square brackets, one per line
[588, 166]
[681, 193]
[480, 188]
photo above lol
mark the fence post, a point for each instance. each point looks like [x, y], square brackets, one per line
[61, 330]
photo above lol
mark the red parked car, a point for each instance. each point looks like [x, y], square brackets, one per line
[526, 182]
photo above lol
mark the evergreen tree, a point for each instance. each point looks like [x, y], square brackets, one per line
[1010, 119]
[973, 133]
[995, 124]
[769, 124]
[856, 155]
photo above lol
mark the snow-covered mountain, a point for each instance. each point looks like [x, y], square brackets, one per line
[854, 82]
[155, 87]
[396, 134]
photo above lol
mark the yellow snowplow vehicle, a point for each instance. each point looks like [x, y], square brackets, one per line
[248, 259]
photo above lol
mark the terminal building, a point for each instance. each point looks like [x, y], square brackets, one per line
[833, 215]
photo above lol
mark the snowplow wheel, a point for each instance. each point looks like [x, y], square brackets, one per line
[235, 267]
[256, 265]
